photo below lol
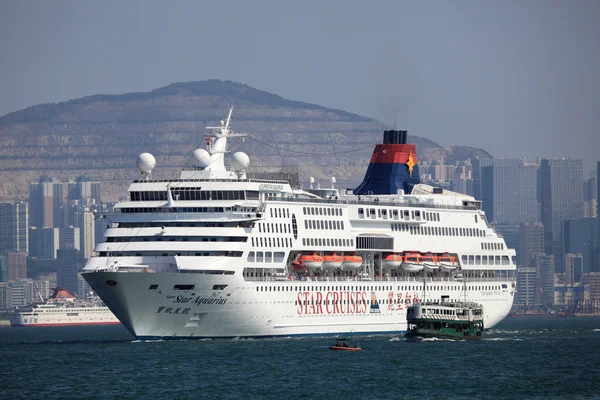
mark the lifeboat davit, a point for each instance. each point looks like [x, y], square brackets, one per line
[351, 262]
[448, 263]
[391, 261]
[430, 262]
[311, 261]
[332, 261]
[412, 262]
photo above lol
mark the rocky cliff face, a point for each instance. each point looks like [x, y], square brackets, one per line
[101, 136]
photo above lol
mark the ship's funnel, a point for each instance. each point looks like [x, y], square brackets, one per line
[393, 166]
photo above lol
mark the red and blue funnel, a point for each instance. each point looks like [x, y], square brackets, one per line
[393, 167]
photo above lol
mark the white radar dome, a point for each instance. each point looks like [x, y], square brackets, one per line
[202, 157]
[240, 161]
[146, 162]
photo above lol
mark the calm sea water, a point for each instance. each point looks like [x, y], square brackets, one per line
[520, 359]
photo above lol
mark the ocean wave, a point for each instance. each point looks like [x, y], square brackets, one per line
[502, 339]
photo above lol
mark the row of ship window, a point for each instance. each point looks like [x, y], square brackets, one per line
[111, 239]
[271, 242]
[138, 210]
[384, 213]
[193, 193]
[159, 253]
[286, 288]
[483, 260]
[280, 213]
[492, 246]
[274, 228]
[327, 242]
[320, 224]
[322, 211]
[266, 257]
[438, 230]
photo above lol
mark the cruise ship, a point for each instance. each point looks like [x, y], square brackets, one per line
[215, 253]
[63, 309]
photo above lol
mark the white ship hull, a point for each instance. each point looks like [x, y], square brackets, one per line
[250, 309]
[64, 317]
[217, 254]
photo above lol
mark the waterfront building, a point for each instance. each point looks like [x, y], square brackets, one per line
[83, 189]
[544, 265]
[3, 269]
[583, 236]
[67, 274]
[69, 238]
[597, 189]
[531, 242]
[44, 199]
[590, 197]
[561, 191]
[527, 287]
[84, 221]
[13, 227]
[44, 242]
[573, 265]
[17, 265]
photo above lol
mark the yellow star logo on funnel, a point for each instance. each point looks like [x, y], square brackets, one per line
[410, 164]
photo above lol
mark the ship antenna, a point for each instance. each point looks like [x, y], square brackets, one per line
[229, 117]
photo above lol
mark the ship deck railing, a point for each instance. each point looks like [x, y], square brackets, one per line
[373, 202]
[429, 280]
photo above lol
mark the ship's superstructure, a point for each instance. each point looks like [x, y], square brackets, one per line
[216, 254]
[62, 309]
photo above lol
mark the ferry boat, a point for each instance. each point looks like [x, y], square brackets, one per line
[63, 309]
[215, 253]
[450, 320]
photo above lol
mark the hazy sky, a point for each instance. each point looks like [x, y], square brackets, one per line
[513, 77]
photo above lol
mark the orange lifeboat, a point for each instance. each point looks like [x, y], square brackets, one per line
[447, 262]
[391, 261]
[412, 262]
[430, 262]
[332, 261]
[311, 261]
[351, 262]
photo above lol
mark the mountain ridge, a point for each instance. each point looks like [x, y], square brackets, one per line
[101, 136]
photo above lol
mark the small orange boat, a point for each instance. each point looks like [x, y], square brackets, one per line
[310, 260]
[351, 262]
[332, 261]
[391, 261]
[342, 348]
[341, 345]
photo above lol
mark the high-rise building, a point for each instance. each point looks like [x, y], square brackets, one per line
[590, 197]
[527, 287]
[583, 236]
[561, 183]
[44, 198]
[84, 189]
[544, 265]
[573, 264]
[508, 191]
[531, 242]
[69, 238]
[3, 269]
[43, 242]
[66, 276]
[13, 227]
[17, 265]
[84, 220]
[597, 189]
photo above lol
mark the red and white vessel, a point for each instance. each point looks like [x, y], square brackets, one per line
[63, 309]
[219, 253]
